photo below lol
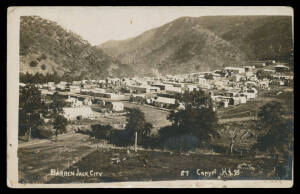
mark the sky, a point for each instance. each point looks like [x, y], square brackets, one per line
[100, 24]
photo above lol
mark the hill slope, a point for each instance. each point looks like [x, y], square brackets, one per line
[199, 44]
[47, 47]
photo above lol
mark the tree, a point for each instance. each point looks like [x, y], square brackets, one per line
[136, 122]
[197, 118]
[33, 63]
[270, 114]
[31, 108]
[278, 136]
[60, 123]
[101, 131]
[57, 103]
[43, 67]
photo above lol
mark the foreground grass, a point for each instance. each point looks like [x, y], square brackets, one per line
[154, 166]
[35, 162]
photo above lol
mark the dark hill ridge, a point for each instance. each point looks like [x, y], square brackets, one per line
[198, 44]
[46, 47]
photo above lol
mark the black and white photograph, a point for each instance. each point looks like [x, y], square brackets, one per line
[150, 96]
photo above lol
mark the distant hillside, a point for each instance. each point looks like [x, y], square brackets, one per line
[47, 47]
[205, 43]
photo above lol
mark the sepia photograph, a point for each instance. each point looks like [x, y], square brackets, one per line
[150, 96]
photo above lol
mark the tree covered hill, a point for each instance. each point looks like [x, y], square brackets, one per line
[46, 47]
[190, 44]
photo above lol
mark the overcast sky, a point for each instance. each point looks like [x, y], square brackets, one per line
[100, 24]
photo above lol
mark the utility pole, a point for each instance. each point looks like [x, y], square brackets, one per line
[135, 142]
[29, 134]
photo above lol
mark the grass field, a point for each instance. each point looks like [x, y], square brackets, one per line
[36, 161]
[80, 152]
[163, 166]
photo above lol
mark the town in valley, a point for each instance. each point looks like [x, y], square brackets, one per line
[234, 121]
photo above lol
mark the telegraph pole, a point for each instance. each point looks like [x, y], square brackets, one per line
[135, 142]
[29, 134]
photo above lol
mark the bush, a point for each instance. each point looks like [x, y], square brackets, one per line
[168, 131]
[33, 63]
[43, 67]
[44, 131]
[101, 131]
[184, 142]
[150, 142]
[121, 138]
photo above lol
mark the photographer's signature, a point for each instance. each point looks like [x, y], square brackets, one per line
[223, 172]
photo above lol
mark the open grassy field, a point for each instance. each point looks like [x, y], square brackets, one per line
[79, 153]
[35, 161]
[163, 166]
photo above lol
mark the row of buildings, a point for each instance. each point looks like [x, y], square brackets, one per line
[228, 86]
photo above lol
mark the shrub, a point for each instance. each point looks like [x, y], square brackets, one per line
[43, 67]
[184, 142]
[101, 131]
[44, 131]
[33, 63]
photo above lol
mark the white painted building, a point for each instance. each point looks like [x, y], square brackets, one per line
[76, 113]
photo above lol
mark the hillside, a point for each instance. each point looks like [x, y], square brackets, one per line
[46, 47]
[198, 44]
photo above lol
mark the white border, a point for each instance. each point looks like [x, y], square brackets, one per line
[13, 25]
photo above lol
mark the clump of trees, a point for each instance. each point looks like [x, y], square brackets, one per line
[60, 123]
[101, 131]
[39, 78]
[136, 122]
[33, 110]
[277, 138]
[197, 119]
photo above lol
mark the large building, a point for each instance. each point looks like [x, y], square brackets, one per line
[164, 102]
[114, 106]
[77, 113]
